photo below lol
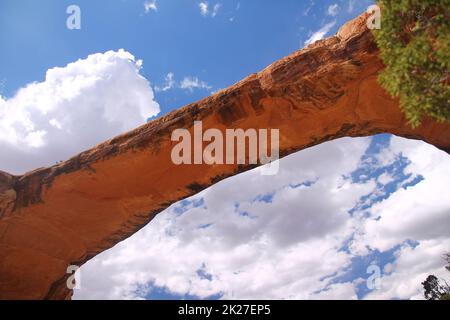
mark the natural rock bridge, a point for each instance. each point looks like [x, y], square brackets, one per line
[66, 214]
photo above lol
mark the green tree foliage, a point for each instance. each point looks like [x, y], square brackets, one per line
[414, 42]
[434, 289]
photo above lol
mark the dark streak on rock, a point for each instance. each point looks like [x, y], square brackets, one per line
[196, 187]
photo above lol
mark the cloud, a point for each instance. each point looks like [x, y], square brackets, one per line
[215, 10]
[411, 268]
[203, 8]
[191, 83]
[333, 10]
[168, 84]
[187, 83]
[385, 178]
[321, 33]
[150, 6]
[74, 108]
[248, 251]
[416, 212]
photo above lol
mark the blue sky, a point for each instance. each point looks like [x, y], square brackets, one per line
[244, 37]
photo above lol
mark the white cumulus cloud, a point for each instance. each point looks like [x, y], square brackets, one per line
[74, 108]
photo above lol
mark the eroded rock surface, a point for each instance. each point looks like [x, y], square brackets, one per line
[54, 217]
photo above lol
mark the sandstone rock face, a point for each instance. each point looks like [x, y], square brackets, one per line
[7, 193]
[66, 214]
